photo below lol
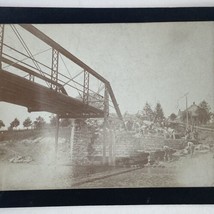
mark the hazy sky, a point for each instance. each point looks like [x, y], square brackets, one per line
[143, 62]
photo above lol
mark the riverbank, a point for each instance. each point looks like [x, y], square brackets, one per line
[30, 164]
[196, 171]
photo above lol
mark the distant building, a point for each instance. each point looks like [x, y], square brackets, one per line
[193, 115]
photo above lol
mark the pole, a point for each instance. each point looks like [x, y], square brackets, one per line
[110, 143]
[187, 125]
[56, 137]
[105, 132]
[72, 137]
[113, 139]
[104, 143]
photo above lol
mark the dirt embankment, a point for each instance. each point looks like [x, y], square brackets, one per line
[35, 168]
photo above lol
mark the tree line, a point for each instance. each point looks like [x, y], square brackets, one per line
[147, 113]
[38, 123]
[203, 112]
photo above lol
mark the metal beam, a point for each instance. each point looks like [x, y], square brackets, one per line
[1, 41]
[82, 115]
[31, 72]
[86, 88]
[37, 33]
[106, 124]
[43, 96]
[106, 104]
[54, 69]
[116, 106]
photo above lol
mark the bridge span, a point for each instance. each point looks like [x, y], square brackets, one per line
[40, 85]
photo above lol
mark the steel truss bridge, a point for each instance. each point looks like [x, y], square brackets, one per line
[27, 88]
[38, 81]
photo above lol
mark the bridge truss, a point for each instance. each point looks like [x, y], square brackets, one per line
[57, 96]
[35, 77]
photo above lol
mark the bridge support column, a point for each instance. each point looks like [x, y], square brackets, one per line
[1, 41]
[106, 125]
[112, 148]
[56, 138]
[71, 140]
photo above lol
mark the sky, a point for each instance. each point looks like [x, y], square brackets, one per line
[144, 62]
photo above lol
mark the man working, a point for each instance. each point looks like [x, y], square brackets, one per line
[191, 147]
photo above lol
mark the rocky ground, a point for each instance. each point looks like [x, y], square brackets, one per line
[30, 164]
[196, 171]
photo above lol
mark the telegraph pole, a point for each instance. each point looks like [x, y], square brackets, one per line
[56, 138]
[187, 115]
[106, 125]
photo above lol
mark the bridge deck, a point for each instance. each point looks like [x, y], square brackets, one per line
[20, 91]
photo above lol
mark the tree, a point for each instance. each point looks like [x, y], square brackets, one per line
[14, 124]
[147, 113]
[204, 113]
[27, 123]
[53, 121]
[172, 116]
[39, 122]
[65, 122]
[2, 124]
[159, 115]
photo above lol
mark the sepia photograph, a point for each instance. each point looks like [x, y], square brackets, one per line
[120, 105]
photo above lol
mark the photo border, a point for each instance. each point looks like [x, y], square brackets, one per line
[115, 196]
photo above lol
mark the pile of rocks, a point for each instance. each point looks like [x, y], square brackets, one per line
[21, 159]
